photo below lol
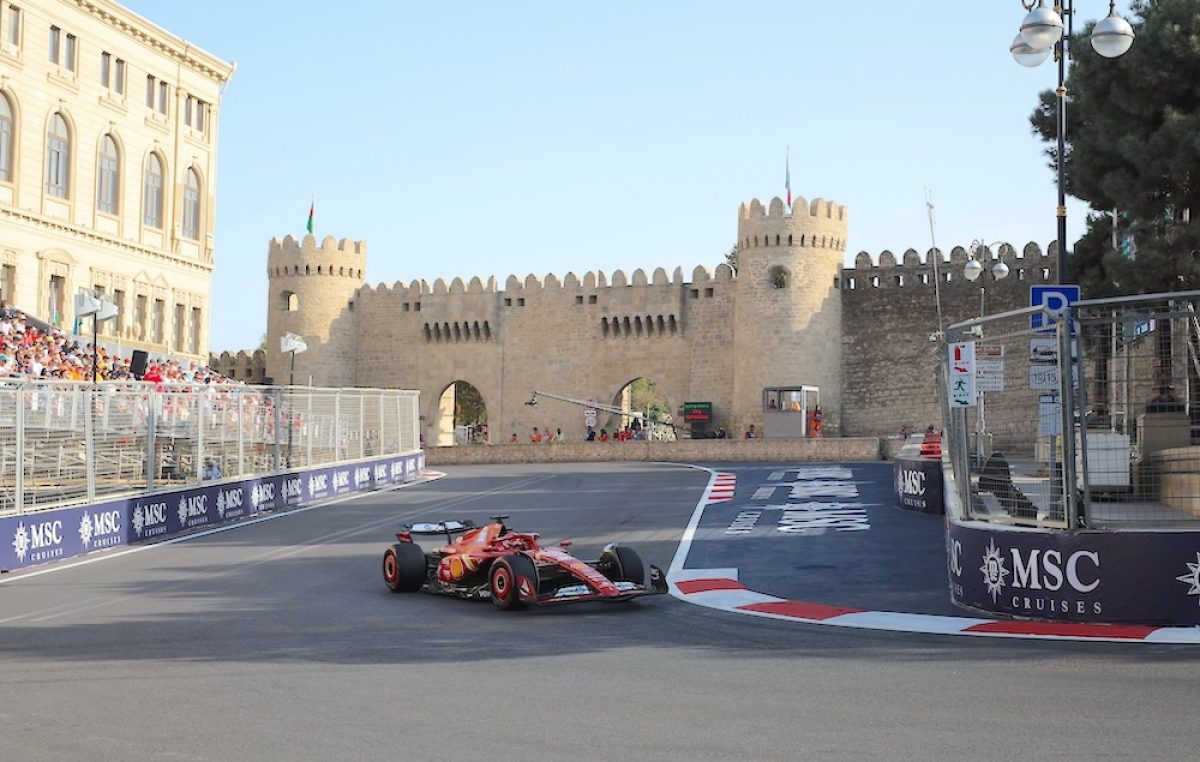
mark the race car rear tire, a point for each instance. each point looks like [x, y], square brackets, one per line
[506, 577]
[621, 564]
[404, 567]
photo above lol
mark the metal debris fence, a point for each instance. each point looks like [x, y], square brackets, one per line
[68, 443]
[1131, 417]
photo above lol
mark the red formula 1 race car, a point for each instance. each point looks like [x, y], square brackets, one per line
[511, 568]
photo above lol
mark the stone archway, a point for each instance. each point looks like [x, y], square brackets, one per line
[643, 396]
[461, 416]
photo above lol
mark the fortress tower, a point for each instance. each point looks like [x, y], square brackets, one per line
[311, 294]
[787, 317]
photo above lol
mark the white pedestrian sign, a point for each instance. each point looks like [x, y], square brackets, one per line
[962, 374]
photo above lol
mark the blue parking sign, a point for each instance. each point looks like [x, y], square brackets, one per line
[1057, 298]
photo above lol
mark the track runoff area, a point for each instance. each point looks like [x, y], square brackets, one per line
[825, 544]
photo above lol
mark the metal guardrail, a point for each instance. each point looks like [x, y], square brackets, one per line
[1086, 418]
[69, 443]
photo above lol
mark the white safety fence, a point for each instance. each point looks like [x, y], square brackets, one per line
[69, 443]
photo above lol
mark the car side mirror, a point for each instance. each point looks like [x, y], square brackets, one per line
[565, 544]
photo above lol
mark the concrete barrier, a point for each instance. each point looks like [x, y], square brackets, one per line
[831, 450]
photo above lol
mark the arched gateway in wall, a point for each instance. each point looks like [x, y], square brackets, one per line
[459, 416]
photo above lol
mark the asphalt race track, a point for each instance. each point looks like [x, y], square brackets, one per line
[278, 640]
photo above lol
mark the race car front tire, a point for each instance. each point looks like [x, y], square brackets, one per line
[506, 578]
[404, 568]
[621, 564]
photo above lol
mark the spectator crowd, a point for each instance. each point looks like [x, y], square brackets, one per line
[32, 350]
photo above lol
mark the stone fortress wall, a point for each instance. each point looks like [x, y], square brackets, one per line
[791, 316]
[888, 314]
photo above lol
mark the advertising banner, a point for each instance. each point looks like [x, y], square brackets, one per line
[1114, 577]
[45, 536]
[919, 484]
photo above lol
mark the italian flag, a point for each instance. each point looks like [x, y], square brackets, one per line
[312, 208]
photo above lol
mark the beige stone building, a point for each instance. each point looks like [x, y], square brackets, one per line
[774, 329]
[791, 327]
[108, 157]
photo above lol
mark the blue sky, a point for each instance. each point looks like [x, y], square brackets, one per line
[475, 138]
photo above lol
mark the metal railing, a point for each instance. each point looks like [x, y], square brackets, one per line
[69, 443]
[1085, 418]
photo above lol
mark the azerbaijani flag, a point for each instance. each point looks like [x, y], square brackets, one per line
[312, 208]
[787, 177]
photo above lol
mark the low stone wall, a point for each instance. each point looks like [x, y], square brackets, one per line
[832, 450]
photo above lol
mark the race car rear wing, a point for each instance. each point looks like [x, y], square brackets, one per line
[448, 528]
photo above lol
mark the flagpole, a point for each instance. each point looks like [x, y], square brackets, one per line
[787, 175]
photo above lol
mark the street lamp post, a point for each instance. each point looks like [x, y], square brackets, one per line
[974, 270]
[294, 345]
[1042, 32]
[95, 304]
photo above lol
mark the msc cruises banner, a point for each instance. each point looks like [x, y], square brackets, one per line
[919, 484]
[1086, 576]
[37, 538]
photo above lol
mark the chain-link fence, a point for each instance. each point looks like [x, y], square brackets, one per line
[65, 444]
[1114, 447]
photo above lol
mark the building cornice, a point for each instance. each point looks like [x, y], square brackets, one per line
[91, 236]
[159, 39]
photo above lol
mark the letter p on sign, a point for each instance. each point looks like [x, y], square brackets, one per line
[1056, 298]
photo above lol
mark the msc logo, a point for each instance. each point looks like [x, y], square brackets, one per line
[1041, 570]
[150, 519]
[1049, 574]
[229, 502]
[262, 495]
[40, 542]
[381, 472]
[911, 482]
[103, 529]
[193, 510]
[318, 484]
[362, 475]
[397, 469]
[341, 480]
[291, 490]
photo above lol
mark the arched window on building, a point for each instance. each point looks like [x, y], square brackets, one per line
[108, 179]
[291, 302]
[58, 157]
[191, 205]
[152, 195]
[6, 139]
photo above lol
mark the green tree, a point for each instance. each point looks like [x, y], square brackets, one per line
[1133, 130]
[645, 397]
[469, 409]
[731, 258]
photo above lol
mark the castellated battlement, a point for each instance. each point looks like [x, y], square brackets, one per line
[1029, 265]
[1031, 254]
[817, 225]
[344, 258]
[552, 283]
